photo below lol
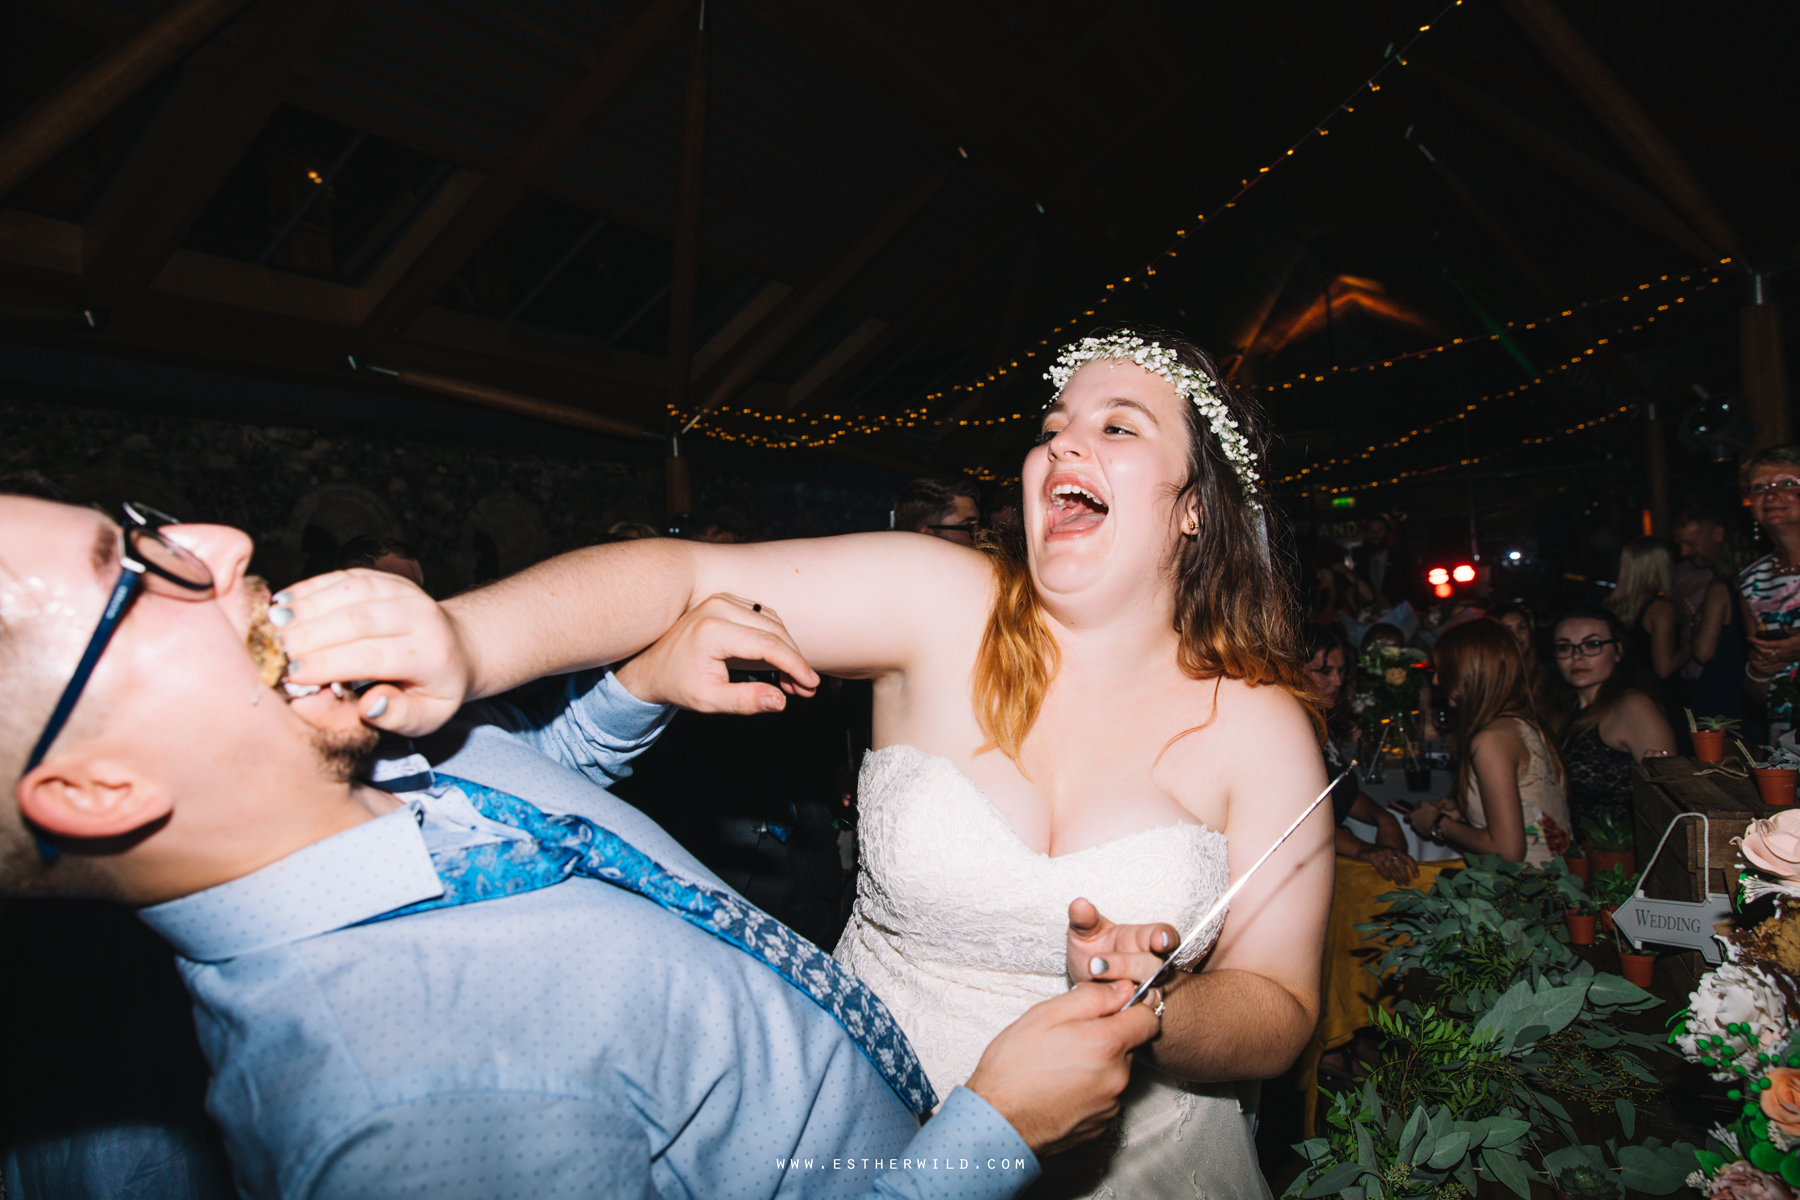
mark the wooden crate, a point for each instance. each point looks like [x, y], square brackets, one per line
[1666, 787]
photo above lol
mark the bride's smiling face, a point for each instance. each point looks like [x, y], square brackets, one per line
[1100, 488]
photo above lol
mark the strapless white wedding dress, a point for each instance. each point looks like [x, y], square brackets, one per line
[959, 927]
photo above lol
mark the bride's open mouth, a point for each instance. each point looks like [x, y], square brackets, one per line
[1075, 508]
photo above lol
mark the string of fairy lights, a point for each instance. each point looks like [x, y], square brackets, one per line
[1321, 375]
[819, 430]
[1319, 129]
[1472, 460]
[1671, 304]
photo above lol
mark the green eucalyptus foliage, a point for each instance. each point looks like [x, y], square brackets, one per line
[1515, 1027]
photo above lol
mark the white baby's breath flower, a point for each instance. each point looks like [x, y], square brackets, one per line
[1190, 384]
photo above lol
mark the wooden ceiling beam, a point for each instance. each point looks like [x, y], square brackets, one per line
[798, 310]
[1605, 97]
[381, 30]
[478, 52]
[473, 153]
[173, 191]
[1257, 315]
[838, 274]
[638, 37]
[451, 82]
[1598, 181]
[48, 127]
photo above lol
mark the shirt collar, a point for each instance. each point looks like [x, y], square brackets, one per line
[363, 872]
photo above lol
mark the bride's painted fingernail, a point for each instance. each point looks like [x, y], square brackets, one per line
[280, 616]
[1162, 940]
[376, 709]
[1097, 965]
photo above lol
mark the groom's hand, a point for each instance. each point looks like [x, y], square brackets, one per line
[1101, 949]
[1057, 1072]
[689, 666]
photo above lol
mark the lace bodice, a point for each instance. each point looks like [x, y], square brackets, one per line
[959, 926]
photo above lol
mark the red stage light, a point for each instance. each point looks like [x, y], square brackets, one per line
[1442, 591]
[1438, 576]
[1463, 573]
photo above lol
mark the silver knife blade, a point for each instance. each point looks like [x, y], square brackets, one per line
[1222, 901]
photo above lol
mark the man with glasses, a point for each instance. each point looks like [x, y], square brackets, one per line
[943, 508]
[482, 976]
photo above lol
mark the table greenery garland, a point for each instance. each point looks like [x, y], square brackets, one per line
[1503, 1028]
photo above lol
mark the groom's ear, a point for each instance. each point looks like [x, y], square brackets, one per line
[88, 798]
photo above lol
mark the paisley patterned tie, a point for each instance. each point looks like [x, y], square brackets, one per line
[561, 845]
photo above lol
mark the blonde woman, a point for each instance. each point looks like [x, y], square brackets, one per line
[1641, 601]
[1103, 719]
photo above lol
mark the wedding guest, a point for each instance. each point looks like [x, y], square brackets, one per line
[1606, 723]
[1770, 586]
[1382, 634]
[1385, 570]
[1712, 682]
[1522, 624]
[1641, 602]
[943, 508]
[1327, 659]
[1334, 593]
[1706, 554]
[1510, 796]
[631, 531]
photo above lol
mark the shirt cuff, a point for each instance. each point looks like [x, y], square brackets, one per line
[970, 1152]
[622, 714]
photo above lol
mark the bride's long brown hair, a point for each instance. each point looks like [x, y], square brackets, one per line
[1234, 609]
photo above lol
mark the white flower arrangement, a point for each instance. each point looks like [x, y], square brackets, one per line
[1190, 384]
[1733, 995]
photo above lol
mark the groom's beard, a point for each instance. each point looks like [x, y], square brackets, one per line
[346, 754]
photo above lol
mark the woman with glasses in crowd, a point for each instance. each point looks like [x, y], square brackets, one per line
[1510, 798]
[1770, 586]
[1608, 723]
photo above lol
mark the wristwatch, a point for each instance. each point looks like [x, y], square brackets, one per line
[1435, 834]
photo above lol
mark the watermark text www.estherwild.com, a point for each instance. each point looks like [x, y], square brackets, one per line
[900, 1164]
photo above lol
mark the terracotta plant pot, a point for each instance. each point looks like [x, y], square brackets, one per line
[1606, 860]
[1579, 867]
[1709, 744]
[1637, 968]
[1776, 785]
[1606, 917]
[1581, 927]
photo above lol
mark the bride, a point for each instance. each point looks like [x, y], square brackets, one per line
[1098, 723]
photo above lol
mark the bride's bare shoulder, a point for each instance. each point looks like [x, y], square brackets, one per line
[1261, 719]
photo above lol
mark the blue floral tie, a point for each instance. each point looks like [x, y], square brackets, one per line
[563, 845]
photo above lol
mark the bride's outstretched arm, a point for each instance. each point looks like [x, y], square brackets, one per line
[858, 605]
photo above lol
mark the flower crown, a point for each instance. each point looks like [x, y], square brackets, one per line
[1194, 386]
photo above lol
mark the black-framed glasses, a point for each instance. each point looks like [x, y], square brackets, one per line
[146, 560]
[1586, 648]
[1786, 486]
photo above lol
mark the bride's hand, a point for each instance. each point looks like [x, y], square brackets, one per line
[1101, 949]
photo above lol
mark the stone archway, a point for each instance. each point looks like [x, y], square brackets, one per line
[324, 519]
[505, 534]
